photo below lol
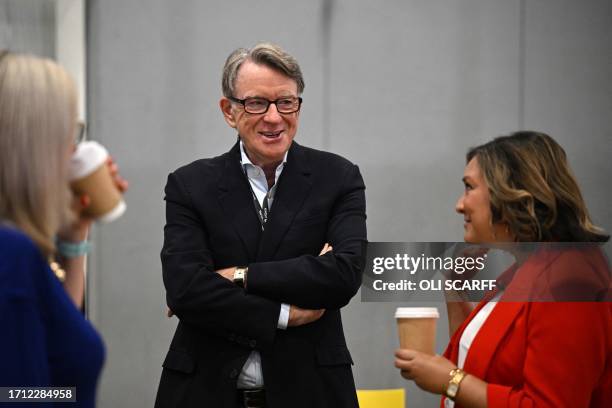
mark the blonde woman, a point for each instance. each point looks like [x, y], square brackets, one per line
[512, 354]
[45, 339]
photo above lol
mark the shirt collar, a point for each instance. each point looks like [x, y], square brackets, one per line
[244, 159]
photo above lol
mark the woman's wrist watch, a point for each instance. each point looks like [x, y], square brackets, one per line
[456, 376]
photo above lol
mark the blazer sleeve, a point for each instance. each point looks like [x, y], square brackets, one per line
[194, 291]
[328, 281]
[568, 345]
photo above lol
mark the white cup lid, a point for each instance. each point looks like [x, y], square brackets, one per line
[88, 157]
[114, 213]
[416, 312]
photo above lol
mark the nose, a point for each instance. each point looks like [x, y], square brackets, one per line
[459, 205]
[272, 114]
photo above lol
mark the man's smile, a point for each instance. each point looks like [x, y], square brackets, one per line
[271, 134]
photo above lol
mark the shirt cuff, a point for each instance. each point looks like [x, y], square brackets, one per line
[283, 317]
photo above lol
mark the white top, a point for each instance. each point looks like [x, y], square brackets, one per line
[251, 375]
[257, 177]
[88, 157]
[416, 312]
[469, 334]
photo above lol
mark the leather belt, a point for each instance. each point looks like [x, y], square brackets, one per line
[255, 398]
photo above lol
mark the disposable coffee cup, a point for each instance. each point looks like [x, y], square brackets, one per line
[417, 328]
[90, 175]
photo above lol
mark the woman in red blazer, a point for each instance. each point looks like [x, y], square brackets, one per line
[511, 353]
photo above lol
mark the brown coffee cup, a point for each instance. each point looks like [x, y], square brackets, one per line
[90, 175]
[417, 328]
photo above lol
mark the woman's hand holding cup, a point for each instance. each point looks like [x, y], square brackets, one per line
[97, 187]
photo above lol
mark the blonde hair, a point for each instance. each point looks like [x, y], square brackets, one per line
[38, 114]
[533, 190]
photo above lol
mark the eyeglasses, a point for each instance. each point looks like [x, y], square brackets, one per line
[260, 105]
[81, 132]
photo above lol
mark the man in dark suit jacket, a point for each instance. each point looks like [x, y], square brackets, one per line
[258, 307]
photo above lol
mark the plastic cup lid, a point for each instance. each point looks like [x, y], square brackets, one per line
[416, 312]
[88, 157]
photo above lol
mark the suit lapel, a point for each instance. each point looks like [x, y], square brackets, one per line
[236, 200]
[452, 352]
[480, 354]
[293, 187]
[518, 283]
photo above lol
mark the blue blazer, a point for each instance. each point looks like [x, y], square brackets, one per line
[45, 340]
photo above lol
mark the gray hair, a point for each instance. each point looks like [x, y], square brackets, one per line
[267, 54]
[38, 113]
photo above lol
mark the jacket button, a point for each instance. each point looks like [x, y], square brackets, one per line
[234, 373]
[252, 343]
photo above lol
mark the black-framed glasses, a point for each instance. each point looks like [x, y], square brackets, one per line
[81, 131]
[290, 104]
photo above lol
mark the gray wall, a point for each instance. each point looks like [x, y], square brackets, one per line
[401, 88]
[28, 26]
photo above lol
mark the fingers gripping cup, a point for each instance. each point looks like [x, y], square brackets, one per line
[90, 175]
[417, 328]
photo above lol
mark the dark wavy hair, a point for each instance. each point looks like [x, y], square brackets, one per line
[533, 190]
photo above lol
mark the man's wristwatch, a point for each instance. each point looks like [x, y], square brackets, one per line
[240, 276]
[456, 376]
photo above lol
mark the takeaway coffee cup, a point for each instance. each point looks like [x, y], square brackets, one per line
[417, 328]
[90, 175]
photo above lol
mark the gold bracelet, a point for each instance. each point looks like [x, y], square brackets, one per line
[456, 376]
[57, 269]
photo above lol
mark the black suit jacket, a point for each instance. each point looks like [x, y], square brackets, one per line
[211, 223]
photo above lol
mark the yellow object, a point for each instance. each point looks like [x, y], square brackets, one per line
[394, 398]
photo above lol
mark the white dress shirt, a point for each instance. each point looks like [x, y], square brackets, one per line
[251, 375]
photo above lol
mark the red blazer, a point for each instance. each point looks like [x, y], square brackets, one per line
[545, 354]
